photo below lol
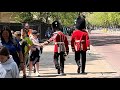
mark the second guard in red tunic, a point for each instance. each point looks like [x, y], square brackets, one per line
[80, 44]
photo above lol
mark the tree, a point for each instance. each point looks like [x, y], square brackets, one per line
[66, 18]
[104, 19]
[23, 16]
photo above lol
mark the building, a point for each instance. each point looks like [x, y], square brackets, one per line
[7, 17]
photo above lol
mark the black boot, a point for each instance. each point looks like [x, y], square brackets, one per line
[24, 76]
[34, 70]
[78, 70]
[62, 71]
[83, 73]
[58, 70]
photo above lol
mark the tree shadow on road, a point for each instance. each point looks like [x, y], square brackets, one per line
[88, 73]
[90, 57]
[93, 56]
[47, 62]
[45, 76]
[101, 72]
[104, 40]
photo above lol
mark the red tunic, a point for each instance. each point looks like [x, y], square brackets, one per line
[57, 37]
[80, 40]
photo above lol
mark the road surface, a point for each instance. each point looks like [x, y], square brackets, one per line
[108, 45]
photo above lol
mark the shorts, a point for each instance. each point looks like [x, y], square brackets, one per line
[35, 57]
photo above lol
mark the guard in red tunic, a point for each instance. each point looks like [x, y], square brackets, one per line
[80, 44]
[61, 48]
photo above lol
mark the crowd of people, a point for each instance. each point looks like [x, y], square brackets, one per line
[21, 49]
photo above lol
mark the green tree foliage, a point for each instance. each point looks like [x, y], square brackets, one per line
[104, 19]
[66, 18]
[23, 16]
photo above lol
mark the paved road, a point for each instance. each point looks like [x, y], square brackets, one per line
[108, 45]
[96, 66]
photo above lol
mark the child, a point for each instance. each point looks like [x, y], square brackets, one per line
[35, 53]
[8, 63]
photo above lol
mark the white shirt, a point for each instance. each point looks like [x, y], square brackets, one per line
[36, 43]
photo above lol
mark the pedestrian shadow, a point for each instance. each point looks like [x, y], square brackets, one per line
[44, 76]
[93, 56]
[91, 73]
[48, 64]
[39, 70]
[101, 72]
[73, 74]
[90, 57]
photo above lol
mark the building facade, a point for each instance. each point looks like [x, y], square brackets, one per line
[7, 17]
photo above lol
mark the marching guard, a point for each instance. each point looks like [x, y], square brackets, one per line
[80, 44]
[61, 48]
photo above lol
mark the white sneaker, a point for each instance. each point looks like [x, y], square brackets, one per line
[29, 74]
[37, 74]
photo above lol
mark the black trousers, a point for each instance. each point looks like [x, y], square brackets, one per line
[80, 58]
[56, 60]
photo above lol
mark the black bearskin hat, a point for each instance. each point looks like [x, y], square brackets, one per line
[56, 25]
[80, 23]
